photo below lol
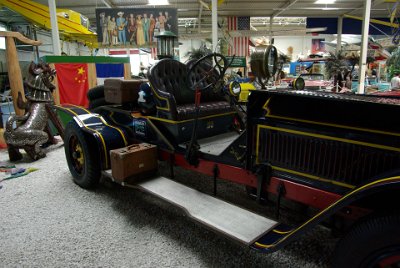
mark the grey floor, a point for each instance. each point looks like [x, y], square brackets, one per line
[48, 221]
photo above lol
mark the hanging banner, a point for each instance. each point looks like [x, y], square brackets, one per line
[133, 27]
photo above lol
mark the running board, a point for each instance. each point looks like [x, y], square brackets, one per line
[235, 222]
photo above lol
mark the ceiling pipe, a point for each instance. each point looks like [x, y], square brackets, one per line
[108, 3]
[200, 13]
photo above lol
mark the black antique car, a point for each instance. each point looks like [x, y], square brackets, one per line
[336, 154]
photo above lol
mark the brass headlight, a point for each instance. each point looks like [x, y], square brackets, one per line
[235, 88]
[299, 84]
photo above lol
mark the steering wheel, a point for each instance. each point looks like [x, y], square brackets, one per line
[207, 71]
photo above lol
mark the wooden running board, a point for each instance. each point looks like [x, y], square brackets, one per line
[235, 222]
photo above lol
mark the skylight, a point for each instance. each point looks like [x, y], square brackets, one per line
[325, 2]
[158, 3]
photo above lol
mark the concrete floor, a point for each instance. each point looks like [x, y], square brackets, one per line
[48, 221]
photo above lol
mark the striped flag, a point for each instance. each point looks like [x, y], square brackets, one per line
[154, 53]
[239, 45]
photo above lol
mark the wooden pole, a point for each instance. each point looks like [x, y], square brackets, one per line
[14, 74]
[127, 71]
[92, 78]
[14, 71]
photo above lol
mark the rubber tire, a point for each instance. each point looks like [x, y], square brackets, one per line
[380, 233]
[97, 103]
[95, 93]
[92, 168]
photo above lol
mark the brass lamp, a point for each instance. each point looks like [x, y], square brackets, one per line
[165, 44]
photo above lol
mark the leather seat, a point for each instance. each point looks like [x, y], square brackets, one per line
[175, 100]
[188, 111]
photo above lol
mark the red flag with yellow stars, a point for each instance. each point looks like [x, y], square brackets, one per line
[73, 83]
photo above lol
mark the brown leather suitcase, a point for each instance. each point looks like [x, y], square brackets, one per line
[121, 91]
[133, 162]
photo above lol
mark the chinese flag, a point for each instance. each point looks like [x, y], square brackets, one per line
[73, 83]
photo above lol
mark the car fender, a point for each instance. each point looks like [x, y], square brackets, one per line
[105, 134]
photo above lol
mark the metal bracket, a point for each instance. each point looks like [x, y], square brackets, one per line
[263, 176]
[281, 190]
[171, 166]
[216, 173]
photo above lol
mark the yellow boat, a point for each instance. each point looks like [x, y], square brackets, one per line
[72, 25]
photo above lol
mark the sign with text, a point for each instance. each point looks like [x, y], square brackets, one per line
[237, 61]
[133, 27]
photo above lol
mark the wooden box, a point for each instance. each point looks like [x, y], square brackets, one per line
[134, 161]
[121, 91]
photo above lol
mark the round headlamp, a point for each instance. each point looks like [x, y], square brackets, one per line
[235, 88]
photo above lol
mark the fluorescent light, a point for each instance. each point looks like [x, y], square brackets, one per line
[158, 3]
[330, 8]
[325, 2]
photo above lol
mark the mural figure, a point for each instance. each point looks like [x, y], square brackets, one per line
[146, 26]
[151, 28]
[112, 30]
[167, 19]
[104, 27]
[132, 29]
[156, 28]
[139, 32]
[109, 30]
[161, 20]
[121, 24]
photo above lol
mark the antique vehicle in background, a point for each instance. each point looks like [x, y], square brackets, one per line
[316, 82]
[337, 156]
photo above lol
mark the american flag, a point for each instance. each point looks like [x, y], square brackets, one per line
[239, 45]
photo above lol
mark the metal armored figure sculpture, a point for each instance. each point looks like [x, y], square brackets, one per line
[29, 133]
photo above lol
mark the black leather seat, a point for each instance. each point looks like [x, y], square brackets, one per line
[175, 100]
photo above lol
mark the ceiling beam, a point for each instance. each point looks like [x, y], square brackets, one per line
[284, 8]
[108, 3]
[381, 22]
[204, 4]
[199, 20]
[373, 4]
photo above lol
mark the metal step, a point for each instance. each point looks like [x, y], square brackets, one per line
[235, 222]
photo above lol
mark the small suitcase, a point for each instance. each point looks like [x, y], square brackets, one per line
[133, 162]
[121, 91]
